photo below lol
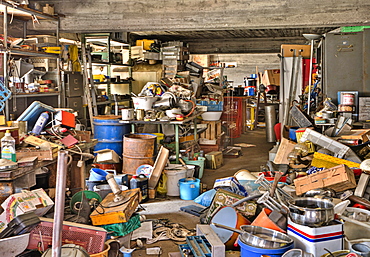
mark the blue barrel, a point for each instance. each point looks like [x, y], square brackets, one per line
[109, 133]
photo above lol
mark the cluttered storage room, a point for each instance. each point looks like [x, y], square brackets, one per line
[184, 128]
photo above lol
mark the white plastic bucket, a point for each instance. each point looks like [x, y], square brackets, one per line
[173, 177]
[190, 171]
[144, 103]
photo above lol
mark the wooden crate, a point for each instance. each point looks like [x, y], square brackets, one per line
[209, 148]
[213, 130]
[338, 178]
[42, 155]
[214, 160]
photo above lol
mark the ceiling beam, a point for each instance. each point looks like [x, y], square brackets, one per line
[238, 45]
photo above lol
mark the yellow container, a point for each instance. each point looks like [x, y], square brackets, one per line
[103, 253]
[145, 43]
[321, 160]
[160, 137]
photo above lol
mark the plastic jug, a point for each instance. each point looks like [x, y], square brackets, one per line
[8, 147]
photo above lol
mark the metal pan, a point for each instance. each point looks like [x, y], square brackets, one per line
[260, 237]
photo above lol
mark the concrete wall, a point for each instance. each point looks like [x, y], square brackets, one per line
[246, 65]
[154, 15]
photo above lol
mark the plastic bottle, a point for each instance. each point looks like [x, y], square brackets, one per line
[133, 182]
[8, 147]
[40, 123]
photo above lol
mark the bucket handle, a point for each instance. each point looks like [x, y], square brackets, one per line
[114, 171]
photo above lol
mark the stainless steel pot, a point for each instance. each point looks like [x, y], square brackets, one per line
[260, 237]
[312, 212]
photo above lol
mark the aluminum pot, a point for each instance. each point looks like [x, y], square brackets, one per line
[312, 212]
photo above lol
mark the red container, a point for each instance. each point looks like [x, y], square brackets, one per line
[270, 177]
[109, 166]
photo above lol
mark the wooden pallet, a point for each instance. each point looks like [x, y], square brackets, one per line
[213, 130]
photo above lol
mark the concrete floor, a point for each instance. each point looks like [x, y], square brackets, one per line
[168, 207]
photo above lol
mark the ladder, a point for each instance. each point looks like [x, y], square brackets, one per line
[89, 92]
[259, 94]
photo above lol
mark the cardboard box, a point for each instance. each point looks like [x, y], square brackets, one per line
[107, 156]
[357, 134]
[364, 108]
[29, 161]
[226, 198]
[48, 9]
[338, 178]
[303, 50]
[230, 184]
[271, 77]
[36, 200]
[214, 160]
[315, 240]
[83, 136]
[14, 132]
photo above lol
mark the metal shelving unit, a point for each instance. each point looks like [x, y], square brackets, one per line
[26, 14]
[108, 45]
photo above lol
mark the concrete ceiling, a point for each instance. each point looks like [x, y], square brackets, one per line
[213, 26]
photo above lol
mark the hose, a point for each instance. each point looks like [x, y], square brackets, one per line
[192, 109]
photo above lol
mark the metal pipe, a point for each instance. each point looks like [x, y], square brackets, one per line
[266, 184]
[310, 79]
[59, 203]
[270, 117]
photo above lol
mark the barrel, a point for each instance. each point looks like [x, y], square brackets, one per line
[138, 149]
[139, 145]
[109, 132]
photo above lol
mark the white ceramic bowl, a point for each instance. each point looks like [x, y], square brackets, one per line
[172, 113]
[211, 116]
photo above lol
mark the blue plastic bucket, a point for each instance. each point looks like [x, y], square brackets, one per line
[97, 174]
[251, 251]
[189, 189]
[90, 184]
[109, 133]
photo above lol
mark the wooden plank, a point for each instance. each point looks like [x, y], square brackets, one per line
[285, 148]
[213, 131]
[77, 174]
